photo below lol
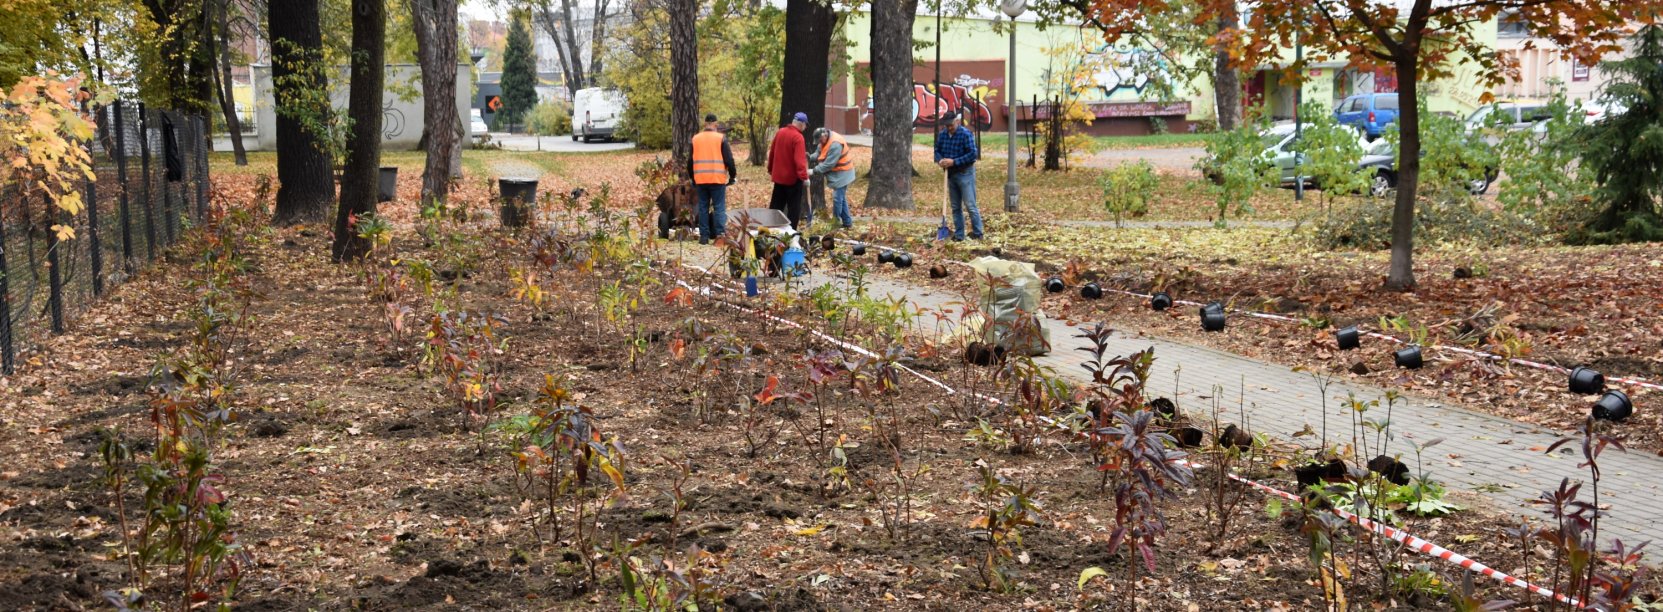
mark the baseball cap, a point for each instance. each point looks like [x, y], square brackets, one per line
[800, 117]
[710, 118]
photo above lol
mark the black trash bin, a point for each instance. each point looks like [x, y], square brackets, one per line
[389, 184]
[518, 196]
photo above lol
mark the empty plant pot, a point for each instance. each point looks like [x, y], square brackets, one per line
[1160, 301]
[904, 260]
[1212, 320]
[1189, 437]
[388, 187]
[983, 354]
[1613, 406]
[858, 249]
[1164, 407]
[1212, 307]
[1587, 381]
[1055, 285]
[1317, 473]
[938, 271]
[828, 243]
[1393, 470]
[517, 197]
[1091, 291]
[1234, 438]
[1348, 338]
[886, 256]
[1408, 357]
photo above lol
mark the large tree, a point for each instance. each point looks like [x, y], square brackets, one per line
[359, 179]
[891, 175]
[519, 72]
[435, 23]
[684, 81]
[1419, 39]
[300, 87]
[222, 39]
[1625, 149]
[808, 34]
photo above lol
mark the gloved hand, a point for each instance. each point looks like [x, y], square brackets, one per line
[731, 180]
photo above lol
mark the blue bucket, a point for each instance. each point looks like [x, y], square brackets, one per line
[794, 262]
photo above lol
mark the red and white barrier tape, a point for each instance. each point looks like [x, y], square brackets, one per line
[1414, 543]
[1454, 349]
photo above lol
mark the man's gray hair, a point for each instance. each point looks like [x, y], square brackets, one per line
[821, 133]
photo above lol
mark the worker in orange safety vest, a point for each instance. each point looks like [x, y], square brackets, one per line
[712, 170]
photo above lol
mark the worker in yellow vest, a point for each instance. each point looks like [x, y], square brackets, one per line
[833, 163]
[712, 170]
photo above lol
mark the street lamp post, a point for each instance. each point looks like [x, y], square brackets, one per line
[1011, 8]
[1298, 118]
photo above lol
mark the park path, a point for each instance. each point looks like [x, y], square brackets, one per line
[1498, 460]
[1165, 158]
[1134, 224]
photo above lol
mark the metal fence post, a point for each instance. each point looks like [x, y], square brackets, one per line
[199, 166]
[168, 215]
[96, 245]
[54, 275]
[6, 355]
[149, 201]
[121, 177]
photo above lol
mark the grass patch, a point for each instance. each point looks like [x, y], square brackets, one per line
[997, 141]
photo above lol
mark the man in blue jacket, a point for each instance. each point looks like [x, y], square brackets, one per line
[956, 152]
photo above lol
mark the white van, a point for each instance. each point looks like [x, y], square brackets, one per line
[596, 113]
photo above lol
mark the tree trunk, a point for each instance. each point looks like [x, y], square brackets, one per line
[891, 175]
[545, 18]
[306, 185]
[222, 76]
[435, 23]
[597, 40]
[1401, 276]
[363, 157]
[684, 81]
[1226, 80]
[808, 34]
[579, 77]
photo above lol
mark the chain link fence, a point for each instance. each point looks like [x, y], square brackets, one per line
[151, 178]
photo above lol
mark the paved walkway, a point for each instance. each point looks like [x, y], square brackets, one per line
[1491, 457]
[1134, 224]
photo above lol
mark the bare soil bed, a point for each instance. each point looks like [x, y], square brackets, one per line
[356, 485]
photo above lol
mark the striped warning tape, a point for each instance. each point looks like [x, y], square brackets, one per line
[1637, 382]
[1413, 542]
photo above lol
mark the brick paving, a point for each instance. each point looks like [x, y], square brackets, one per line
[1487, 456]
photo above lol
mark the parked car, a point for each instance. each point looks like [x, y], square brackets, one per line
[476, 124]
[1280, 143]
[596, 113]
[1380, 161]
[1514, 116]
[1370, 113]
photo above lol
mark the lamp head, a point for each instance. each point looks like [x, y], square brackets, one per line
[1013, 8]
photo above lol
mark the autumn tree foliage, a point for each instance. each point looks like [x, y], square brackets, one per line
[1419, 39]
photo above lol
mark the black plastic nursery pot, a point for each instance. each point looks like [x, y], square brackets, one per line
[1393, 470]
[1212, 307]
[858, 249]
[938, 271]
[828, 243]
[904, 260]
[1212, 320]
[1613, 406]
[1189, 437]
[886, 256]
[1160, 301]
[1317, 473]
[1408, 358]
[1349, 338]
[1091, 291]
[388, 189]
[517, 197]
[1586, 381]
[1055, 285]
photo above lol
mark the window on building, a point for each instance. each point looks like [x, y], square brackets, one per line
[1512, 26]
[1579, 71]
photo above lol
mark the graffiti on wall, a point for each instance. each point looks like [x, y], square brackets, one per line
[965, 95]
[1119, 68]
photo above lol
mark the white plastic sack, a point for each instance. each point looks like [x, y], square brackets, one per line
[1011, 304]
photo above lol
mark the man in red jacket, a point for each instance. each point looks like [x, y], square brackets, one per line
[788, 167]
